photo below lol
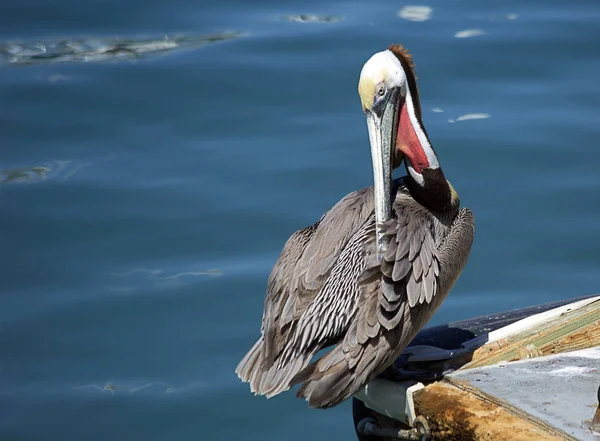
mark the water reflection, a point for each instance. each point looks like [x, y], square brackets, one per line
[468, 33]
[302, 18]
[62, 169]
[55, 78]
[25, 174]
[141, 279]
[93, 50]
[112, 387]
[415, 13]
[470, 116]
[157, 273]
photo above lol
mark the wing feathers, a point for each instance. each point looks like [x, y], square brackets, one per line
[333, 290]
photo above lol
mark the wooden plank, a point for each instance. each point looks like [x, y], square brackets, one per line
[451, 335]
[558, 389]
[458, 410]
[575, 330]
[465, 414]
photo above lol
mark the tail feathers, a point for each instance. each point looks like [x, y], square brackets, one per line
[326, 382]
[276, 380]
[246, 370]
[268, 380]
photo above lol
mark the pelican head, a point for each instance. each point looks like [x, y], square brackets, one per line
[390, 99]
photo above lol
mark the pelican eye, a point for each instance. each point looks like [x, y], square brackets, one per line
[380, 89]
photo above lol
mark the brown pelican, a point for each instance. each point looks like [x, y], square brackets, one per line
[373, 270]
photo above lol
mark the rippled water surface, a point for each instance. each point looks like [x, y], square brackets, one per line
[156, 155]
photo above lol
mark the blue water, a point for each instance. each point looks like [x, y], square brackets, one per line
[145, 200]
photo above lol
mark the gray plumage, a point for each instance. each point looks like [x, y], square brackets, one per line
[327, 288]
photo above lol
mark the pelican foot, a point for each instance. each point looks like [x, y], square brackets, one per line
[394, 373]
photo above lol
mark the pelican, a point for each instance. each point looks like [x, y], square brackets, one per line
[374, 269]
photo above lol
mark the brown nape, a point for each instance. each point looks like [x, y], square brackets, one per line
[409, 69]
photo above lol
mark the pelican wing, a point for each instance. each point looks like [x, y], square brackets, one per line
[391, 294]
[306, 263]
[321, 254]
[397, 298]
[310, 270]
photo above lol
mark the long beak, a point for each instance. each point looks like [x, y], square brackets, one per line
[383, 126]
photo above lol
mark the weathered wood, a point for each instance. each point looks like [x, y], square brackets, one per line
[458, 410]
[572, 331]
[451, 335]
[465, 414]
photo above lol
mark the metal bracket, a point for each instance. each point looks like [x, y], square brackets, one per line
[420, 431]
